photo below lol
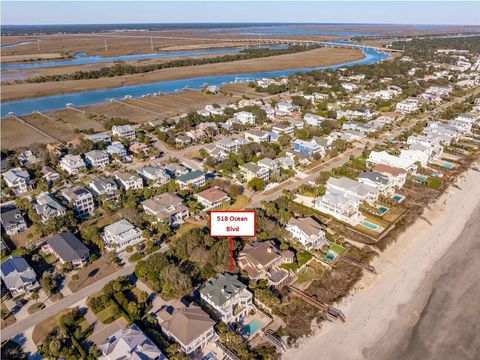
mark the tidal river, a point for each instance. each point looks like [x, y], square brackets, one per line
[91, 97]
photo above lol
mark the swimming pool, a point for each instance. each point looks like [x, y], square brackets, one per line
[383, 210]
[397, 198]
[447, 165]
[329, 257]
[370, 225]
[252, 327]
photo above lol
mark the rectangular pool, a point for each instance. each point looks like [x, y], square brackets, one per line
[383, 210]
[370, 225]
[252, 327]
[397, 198]
[447, 165]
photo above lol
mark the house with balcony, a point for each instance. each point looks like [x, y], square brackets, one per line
[307, 231]
[244, 118]
[307, 147]
[251, 170]
[154, 175]
[228, 298]
[12, 220]
[48, 207]
[193, 179]
[188, 325]
[212, 198]
[17, 275]
[175, 170]
[407, 106]
[283, 108]
[362, 191]
[80, 199]
[262, 260]
[18, 180]
[383, 183]
[168, 208]
[282, 128]
[128, 180]
[257, 136]
[97, 159]
[105, 188]
[100, 137]
[73, 164]
[398, 176]
[270, 164]
[49, 174]
[124, 131]
[340, 205]
[231, 145]
[119, 235]
[384, 158]
[116, 149]
[67, 248]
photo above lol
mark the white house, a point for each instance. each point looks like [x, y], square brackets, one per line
[119, 235]
[397, 175]
[97, 159]
[48, 207]
[124, 131]
[154, 174]
[251, 170]
[339, 204]
[72, 164]
[313, 119]
[384, 158]
[80, 199]
[192, 179]
[363, 192]
[129, 180]
[18, 276]
[212, 198]
[284, 108]
[245, 118]
[307, 231]
[407, 106]
[382, 182]
[167, 207]
[17, 179]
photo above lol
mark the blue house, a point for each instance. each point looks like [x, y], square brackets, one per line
[306, 147]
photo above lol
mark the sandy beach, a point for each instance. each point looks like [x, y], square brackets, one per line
[388, 313]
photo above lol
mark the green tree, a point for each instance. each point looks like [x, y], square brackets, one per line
[256, 184]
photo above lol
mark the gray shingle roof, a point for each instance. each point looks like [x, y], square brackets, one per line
[221, 289]
[68, 247]
[16, 272]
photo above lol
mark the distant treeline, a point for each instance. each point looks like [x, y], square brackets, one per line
[424, 49]
[121, 68]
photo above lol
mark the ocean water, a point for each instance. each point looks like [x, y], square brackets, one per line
[444, 317]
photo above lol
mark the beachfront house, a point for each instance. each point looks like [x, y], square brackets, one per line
[383, 183]
[228, 298]
[307, 231]
[384, 158]
[362, 191]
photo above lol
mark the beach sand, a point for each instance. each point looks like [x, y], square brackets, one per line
[397, 314]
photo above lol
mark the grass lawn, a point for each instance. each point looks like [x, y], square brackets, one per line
[108, 315]
[302, 258]
[393, 214]
[240, 203]
[25, 237]
[186, 228]
[93, 272]
[339, 249]
[42, 329]
[312, 271]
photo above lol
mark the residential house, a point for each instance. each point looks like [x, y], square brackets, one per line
[48, 207]
[286, 162]
[397, 175]
[384, 158]
[307, 147]
[284, 108]
[49, 174]
[188, 325]
[97, 159]
[116, 149]
[27, 157]
[124, 131]
[212, 198]
[251, 170]
[67, 248]
[307, 231]
[104, 187]
[383, 183]
[128, 180]
[228, 298]
[72, 164]
[153, 174]
[175, 170]
[130, 344]
[270, 164]
[80, 199]
[18, 276]
[363, 192]
[12, 220]
[139, 148]
[166, 207]
[342, 205]
[245, 118]
[313, 119]
[262, 260]
[407, 106]
[282, 128]
[100, 137]
[119, 235]
[257, 136]
[183, 140]
[17, 179]
[194, 179]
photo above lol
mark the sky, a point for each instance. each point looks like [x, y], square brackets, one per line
[101, 12]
